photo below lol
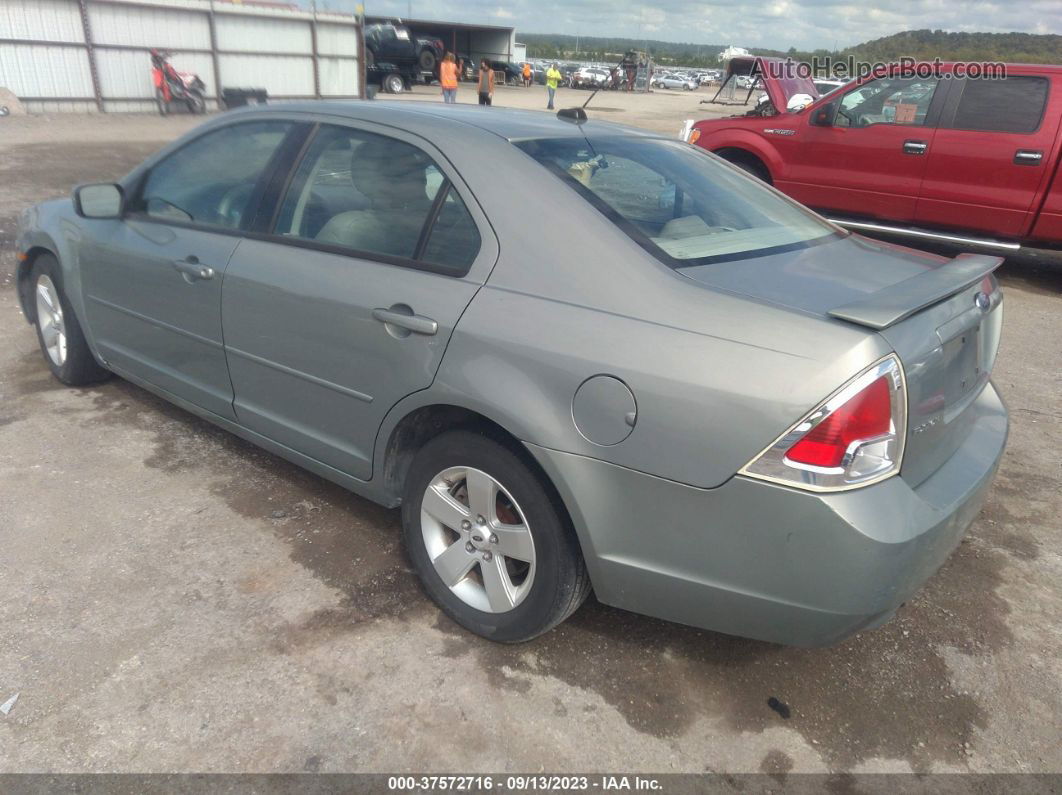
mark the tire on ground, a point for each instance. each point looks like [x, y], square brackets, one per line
[560, 583]
[80, 367]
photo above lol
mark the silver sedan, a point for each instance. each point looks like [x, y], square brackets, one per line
[669, 383]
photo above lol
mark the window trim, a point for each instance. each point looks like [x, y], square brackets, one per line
[372, 256]
[947, 121]
[255, 202]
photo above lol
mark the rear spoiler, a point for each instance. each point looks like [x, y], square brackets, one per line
[903, 299]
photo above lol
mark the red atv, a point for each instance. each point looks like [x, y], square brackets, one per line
[174, 86]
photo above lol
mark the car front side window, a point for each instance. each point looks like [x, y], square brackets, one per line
[211, 180]
[888, 100]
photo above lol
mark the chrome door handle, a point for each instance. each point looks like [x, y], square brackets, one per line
[193, 270]
[402, 317]
[915, 147]
[1028, 157]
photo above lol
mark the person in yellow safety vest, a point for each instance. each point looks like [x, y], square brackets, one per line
[553, 78]
[448, 79]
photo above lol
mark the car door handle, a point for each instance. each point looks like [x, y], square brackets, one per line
[915, 147]
[1028, 157]
[193, 270]
[401, 316]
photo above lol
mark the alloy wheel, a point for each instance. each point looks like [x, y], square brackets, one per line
[50, 320]
[478, 539]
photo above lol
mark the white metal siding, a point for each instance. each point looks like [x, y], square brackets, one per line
[44, 20]
[279, 75]
[149, 27]
[339, 77]
[35, 70]
[127, 73]
[251, 34]
[336, 39]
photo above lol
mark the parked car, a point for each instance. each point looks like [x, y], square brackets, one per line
[589, 77]
[514, 72]
[397, 45]
[674, 81]
[703, 400]
[972, 161]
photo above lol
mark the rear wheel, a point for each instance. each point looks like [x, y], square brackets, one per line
[62, 342]
[488, 540]
[394, 84]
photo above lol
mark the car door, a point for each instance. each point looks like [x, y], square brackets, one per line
[868, 157]
[348, 304]
[992, 154]
[152, 282]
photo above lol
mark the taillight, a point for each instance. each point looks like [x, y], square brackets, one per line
[853, 438]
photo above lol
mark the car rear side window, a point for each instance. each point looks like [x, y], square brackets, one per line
[678, 202]
[1013, 104]
[211, 180]
[377, 196]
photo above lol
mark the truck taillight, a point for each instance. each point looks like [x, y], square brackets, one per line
[853, 438]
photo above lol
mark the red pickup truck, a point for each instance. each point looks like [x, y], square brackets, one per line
[973, 161]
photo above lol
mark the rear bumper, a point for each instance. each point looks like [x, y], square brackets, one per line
[764, 561]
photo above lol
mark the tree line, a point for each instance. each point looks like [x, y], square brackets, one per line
[919, 44]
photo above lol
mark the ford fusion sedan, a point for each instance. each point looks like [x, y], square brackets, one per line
[677, 387]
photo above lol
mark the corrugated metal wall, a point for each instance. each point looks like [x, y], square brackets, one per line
[94, 54]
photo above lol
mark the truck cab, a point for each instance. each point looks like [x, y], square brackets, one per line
[928, 149]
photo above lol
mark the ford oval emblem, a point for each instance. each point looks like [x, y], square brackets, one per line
[982, 301]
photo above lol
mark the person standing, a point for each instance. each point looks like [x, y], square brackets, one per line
[527, 75]
[448, 79]
[553, 78]
[486, 82]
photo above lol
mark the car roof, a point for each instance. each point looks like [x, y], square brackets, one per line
[424, 118]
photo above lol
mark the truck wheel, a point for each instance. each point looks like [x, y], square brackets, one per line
[488, 540]
[427, 61]
[62, 342]
[393, 83]
[750, 165]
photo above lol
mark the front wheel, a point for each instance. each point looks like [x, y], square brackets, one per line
[488, 540]
[62, 342]
[161, 103]
[394, 84]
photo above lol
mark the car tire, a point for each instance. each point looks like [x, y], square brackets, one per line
[754, 169]
[394, 84]
[59, 333]
[535, 595]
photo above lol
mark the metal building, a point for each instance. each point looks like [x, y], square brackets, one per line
[494, 42]
[85, 55]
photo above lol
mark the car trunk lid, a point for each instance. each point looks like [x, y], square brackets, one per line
[942, 316]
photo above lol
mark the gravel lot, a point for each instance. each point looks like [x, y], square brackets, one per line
[173, 599]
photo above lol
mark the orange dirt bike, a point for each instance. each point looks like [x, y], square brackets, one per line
[174, 86]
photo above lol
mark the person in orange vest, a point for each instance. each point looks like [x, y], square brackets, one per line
[448, 79]
[527, 75]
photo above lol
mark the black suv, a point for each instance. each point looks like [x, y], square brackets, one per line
[398, 45]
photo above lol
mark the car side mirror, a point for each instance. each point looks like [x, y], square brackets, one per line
[823, 117]
[104, 200]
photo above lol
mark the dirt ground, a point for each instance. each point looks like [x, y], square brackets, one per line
[173, 599]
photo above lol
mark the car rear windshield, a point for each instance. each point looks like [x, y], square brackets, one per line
[681, 204]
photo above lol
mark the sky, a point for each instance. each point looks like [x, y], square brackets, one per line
[777, 24]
